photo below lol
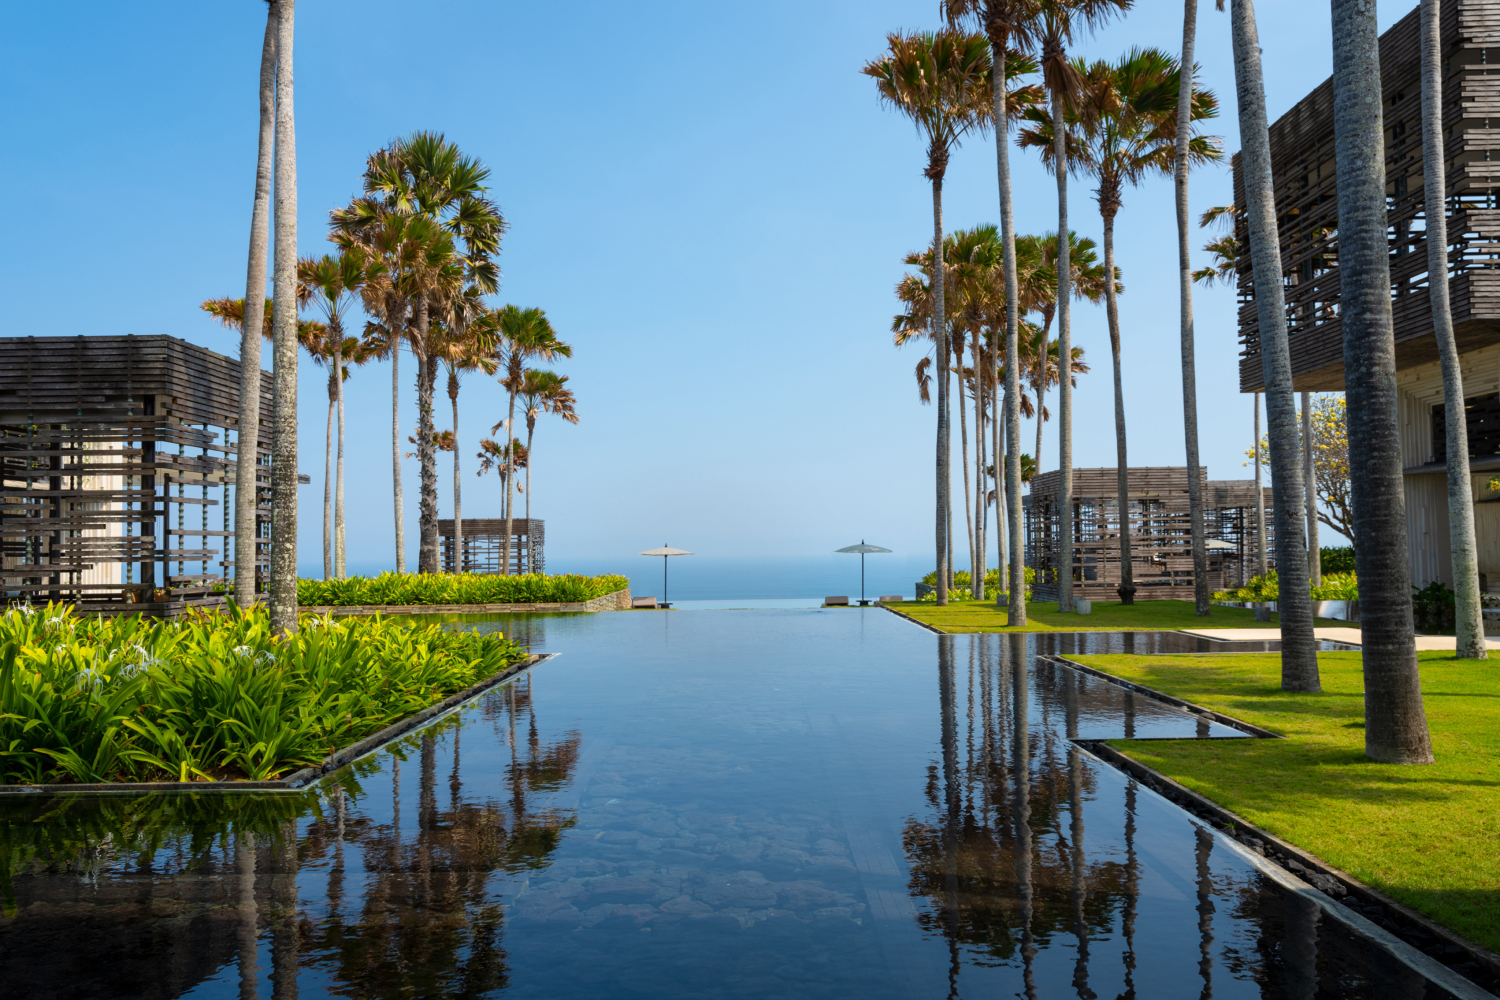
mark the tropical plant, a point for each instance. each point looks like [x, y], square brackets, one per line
[1339, 559]
[1299, 663]
[214, 696]
[333, 284]
[1125, 126]
[1395, 720]
[337, 357]
[462, 349]
[543, 392]
[283, 575]
[506, 461]
[410, 589]
[521, 336]
[941, 81]
[247, 440]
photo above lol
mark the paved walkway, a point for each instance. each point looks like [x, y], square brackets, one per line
[1350, 636]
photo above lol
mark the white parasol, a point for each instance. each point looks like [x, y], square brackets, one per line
[862, 548]
[665, 552]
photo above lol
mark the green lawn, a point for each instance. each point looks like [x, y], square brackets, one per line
[1427, 836]
[1108, 616]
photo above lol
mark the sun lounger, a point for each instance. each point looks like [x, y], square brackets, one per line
[835, 602]
[891, 599]
[643, 602]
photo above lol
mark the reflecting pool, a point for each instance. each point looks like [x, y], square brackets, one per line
[793, 804]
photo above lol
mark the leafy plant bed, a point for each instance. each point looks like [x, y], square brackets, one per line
[1107, 616]
[1424, 836]
[416, 589]
[216, 697]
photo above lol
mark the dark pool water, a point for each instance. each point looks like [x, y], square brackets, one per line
[738, 804]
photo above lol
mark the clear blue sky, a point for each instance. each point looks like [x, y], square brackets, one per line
[707, 199]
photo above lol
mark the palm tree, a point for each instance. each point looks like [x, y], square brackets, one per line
[1127, 131]
[1057, 21]
[1395, 721]
[1469, 615]
[247, 443]
[543, 392]
[333, 284]
[941, 81]
[284, 342]
[335, 354]
[522, 334]
[462, 352]
[507, 460]
[1299, 646]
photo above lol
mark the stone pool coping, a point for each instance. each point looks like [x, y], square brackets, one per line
[298, 780]
[1300, 870]
[618, 600]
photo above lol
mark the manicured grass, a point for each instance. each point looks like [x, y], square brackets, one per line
[1108, 616]
[1427, 836]
[407, 589]
[214, 697]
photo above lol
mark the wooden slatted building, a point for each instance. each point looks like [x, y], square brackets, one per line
[117, 463]
[1305, 180]
[1161, 533]
[484, 545]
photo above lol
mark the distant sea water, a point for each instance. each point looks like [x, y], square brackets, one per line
[717, 579]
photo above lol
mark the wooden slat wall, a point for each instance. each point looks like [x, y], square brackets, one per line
[484, 545]
[1302, 162]
[115, 454]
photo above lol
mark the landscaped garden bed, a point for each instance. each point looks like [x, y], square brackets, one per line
[215, 697]
[1427, 837]
[454, 593]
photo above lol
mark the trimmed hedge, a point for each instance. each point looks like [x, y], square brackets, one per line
[398, 589]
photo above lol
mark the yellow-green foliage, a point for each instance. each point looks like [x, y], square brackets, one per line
[1429, 836]
[963, 579]
[456, 588]
[213, 696]
[1335, 587]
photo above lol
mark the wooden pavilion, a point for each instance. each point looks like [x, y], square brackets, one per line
[484, 545]
[1160, 533]
[118, 462]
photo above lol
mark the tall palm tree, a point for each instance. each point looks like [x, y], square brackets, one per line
[1126, 132]
[334, 284]
[544, 392]
[506, 460]
[1469, 615]
[1395, 721]
[247, 443]
[336, 355]
[283, 599]
[1299, 646]
[941, 81]
[1058, 21]
[462, 351]
[522, 335]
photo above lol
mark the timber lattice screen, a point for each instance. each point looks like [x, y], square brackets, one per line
[1160, 530]
[484, 545]
[118, 471]
[1303, 169]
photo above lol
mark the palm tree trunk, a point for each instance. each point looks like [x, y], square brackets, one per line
[997, 458]
[1260, 501]
[1015, 612]
[396, 451]
[963, 444]
[1309, 478]
[940, 336]
[1122, 463]
[530, 549]
[427, 550]
[1041, 381]
[247, 460]
[284, 342]
[458, 499]
[510, 458]
[1185, 283]
[328, 485]
[338, 473]
[1064, 364]
[1395, 721]
[1299, 646]
[981, 495]
[1469, 616]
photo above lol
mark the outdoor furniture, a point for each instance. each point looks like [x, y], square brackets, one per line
[891, 599]
[861, 548]
[665, 552]
[835, 602]
[643, 602]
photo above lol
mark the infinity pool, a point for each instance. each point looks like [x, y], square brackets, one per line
[787, 804]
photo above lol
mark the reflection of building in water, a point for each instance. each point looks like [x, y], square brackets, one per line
[149, 896]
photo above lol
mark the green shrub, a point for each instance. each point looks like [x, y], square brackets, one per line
[1336, 587]
[1433, 608]
[456, 588]
[213, 697]
[1337, 560]
[963, 578]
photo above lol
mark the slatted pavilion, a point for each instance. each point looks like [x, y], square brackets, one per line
[116, 472]
[484, 545]
[1161, 533]
[1302, 164]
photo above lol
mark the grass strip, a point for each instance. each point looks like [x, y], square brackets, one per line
[214, 697]
[1108, 616]
[1426, 836]
[456, 588]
